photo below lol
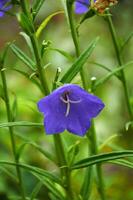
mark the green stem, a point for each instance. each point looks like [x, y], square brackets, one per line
[34, 42]
[9, 116]
[75, 41]
[120, 61]
[94, 150]
[65, 172]
[93, 147]
[39, 65]
[62, 163]
[25, 8]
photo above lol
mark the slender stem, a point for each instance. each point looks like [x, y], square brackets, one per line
[11, 131]
[93, 147]
[39, 65]
[34, 42]
[75, 41]
[65, 172]
[94, 150]
[25, 7]
[120, 61]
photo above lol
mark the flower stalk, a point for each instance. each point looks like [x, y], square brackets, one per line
[94, 150]
[75, 39]
[120, 61]
[64, 169]
[93, 145]
[34, 42]
[11, 131]
[65, 172]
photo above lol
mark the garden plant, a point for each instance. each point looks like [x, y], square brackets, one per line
[66, 100]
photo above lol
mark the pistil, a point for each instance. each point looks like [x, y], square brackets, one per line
[67, 101]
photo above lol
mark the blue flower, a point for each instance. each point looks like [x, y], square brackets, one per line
[82, 6]
[69, 108]
[4, 7]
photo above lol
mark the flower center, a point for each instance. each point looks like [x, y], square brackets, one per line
[65, 98]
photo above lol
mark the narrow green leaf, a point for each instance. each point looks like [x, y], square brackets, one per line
[104, 67]
[78, 64]
[45, 22]
[73, 152]
[5, 52]
[64, 53]
[29, 77]
[44, 176]
[9, 173]
[109, 75]
[58, 71]
[16, 197]
[102, 158]
[40, 149]
[25, 23]
[51, 186]
[122, 162]
[32, 169]
[108, 140]
[36, 190]
[129, 37]
[28, 41]
[128, 124]
[36, 7]
[21, 123]
[51, 196]
[23, 57]
[86, 188]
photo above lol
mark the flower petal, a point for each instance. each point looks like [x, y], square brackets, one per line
[3, 7]
[77, 123]
[54, 112]
[90, 104]
[82, 6]
[52, 104]
[93, 105]
[55, 123]
[1, 14]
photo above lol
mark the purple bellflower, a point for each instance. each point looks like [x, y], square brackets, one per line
[4, 7]
[82, 6]
[69, 108]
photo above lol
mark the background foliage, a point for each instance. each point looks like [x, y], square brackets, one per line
[24, 94]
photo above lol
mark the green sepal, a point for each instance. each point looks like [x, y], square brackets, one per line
[87, 15]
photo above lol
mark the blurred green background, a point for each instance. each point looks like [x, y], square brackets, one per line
[118, 180]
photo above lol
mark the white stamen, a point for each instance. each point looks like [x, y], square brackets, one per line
[68, 109]
[68, 101]
[78, 101]
[65, 101]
